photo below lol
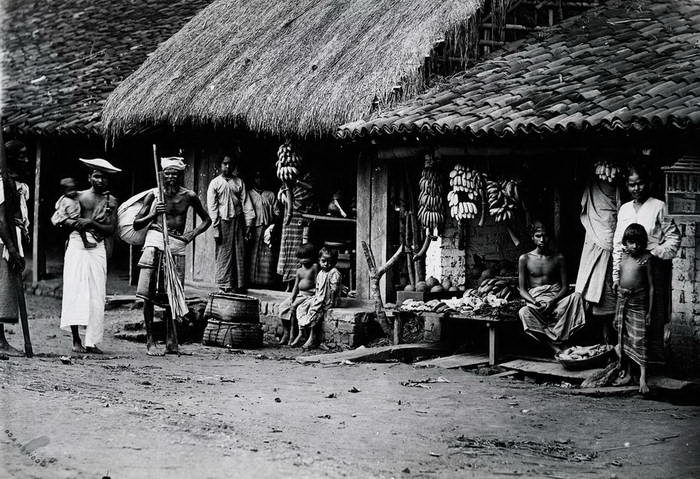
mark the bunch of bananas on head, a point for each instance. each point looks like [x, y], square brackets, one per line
[430, 203]
[503, 199]
[288, 162]
[607, 171]
[466, 187]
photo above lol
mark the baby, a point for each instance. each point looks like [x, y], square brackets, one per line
[311, 312]
[304, 288]
[68, 207]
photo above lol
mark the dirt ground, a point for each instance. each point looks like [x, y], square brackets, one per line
[260, 414]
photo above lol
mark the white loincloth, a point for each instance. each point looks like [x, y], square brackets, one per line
[154, 239]
[84, 287]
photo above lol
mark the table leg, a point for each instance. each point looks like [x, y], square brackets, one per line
[398, 327]
[493, 344]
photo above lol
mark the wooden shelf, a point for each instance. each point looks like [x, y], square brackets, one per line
[328, 218]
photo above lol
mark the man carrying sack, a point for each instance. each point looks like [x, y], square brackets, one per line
[152, 275]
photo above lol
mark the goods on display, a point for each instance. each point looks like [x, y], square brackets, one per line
[503, 199]
[577, 353]
[288, 163]
[467, 186]
[501, 288]
[607, 171]
[430, 202]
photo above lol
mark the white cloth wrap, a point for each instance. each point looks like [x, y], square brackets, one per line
[84, 287]
[155, 239]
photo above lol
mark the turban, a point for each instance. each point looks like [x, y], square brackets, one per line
[100, 164]
[172, 162]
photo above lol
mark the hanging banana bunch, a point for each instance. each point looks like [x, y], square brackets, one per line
[607, 171]
[466, 185]
[288, 163]
[430, 202]
[503, 199]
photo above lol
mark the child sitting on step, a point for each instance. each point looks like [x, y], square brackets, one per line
[304, 288]
[311, 312]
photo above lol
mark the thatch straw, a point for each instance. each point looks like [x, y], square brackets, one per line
[278, 67]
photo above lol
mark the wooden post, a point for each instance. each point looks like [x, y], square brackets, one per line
[362, 233]
[493, 344]
[37, 270]
[557, 214]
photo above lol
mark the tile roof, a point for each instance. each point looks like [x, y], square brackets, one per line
[61, 58]
[625, 65]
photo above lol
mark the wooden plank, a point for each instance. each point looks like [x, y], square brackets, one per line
[493, 344]
[37, 263]
[547, 369]
[383, 353]
[379, 228]
[364, 208]
[604, 391]
[465, 360]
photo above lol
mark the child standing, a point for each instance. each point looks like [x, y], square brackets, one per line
[68, 207]
[634, 303]
[311, 312]
[304, 288]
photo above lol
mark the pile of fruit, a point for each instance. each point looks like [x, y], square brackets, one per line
[497, 287]
[434, 306]
[467, 185]
[607, 171]
[503, 198]
[430, 203]
[288, 163]
[578, 353]
[432, 285]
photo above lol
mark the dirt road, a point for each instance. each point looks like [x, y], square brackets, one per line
[221, 414]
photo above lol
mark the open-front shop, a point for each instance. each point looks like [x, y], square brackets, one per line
[528, 137]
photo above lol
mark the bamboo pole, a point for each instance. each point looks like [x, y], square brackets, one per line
[35, 227]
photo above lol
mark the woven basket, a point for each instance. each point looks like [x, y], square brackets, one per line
[232, 308]
[233, 335]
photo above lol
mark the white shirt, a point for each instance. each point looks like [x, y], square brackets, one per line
[664, 237]
[227, 198]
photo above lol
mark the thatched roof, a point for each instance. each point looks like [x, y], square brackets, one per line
[624, 66]
[61, 58]
[300, 68]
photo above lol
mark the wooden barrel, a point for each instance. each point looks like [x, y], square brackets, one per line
[232, 308]
[233, 335]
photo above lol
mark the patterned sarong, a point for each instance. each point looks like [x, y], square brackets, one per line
[567, 318]
[230, 254]
[630, 316]
[288, 309]
[262, 258]
[292, 238]
[9, 312]
[312, 311]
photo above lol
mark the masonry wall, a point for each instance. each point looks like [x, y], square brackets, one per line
[683, 346]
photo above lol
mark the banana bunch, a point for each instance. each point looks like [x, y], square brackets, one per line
[288, 163]
[466, 187]
[500, 288]
[606, 171]
[503, 198]
[430, 203]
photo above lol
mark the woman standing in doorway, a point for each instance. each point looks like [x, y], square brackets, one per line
[664, 240]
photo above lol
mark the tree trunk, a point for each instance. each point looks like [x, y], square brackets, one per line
[375, 274]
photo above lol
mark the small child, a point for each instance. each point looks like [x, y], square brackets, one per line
[634, 302]
[311, 312]
[68, 207]
[304, 288]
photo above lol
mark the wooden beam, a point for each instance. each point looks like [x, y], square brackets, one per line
[362, 232]
[38, 266]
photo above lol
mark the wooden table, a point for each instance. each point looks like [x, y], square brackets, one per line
[493, 324]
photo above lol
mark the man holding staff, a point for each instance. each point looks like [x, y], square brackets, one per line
[11, 256]
[151, 288]
[85, 269]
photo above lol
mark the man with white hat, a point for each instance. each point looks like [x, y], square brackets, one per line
[85, 269]
[151, 288]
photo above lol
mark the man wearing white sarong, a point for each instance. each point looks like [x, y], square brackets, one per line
[85, 270]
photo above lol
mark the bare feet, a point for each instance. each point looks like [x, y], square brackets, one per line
[152, 350]
[309, 343]
[78, 348]
[643, 387]
[93, 350]
[297, 340]
[8, 350]
[623, 380]
[285, 337]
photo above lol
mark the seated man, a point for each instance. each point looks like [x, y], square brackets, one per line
[551, 316]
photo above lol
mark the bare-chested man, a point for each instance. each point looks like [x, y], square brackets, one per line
[151, 288]
[551, 315]
[85, 269]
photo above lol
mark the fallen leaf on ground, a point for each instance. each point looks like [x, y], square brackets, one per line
[434, 454]
[353, 390]
[332, 396]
